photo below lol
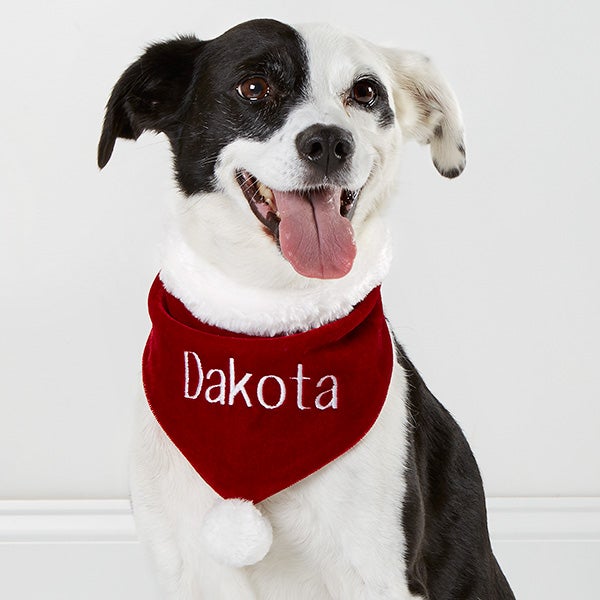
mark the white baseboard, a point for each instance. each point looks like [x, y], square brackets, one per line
[94, 521]
[549, 549]
[56, 521]
[535, 519]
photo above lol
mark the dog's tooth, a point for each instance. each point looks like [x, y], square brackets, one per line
[265, 192]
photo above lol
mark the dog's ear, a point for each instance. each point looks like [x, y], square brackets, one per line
[427, 110]
[150, 93]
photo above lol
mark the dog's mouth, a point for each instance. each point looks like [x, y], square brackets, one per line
[312, 226]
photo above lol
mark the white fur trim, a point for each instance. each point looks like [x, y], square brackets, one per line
[235, 533]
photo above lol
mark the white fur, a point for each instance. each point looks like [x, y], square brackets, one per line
[336, 534]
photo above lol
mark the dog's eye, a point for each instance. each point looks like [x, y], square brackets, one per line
[364, 92]
[253, 89]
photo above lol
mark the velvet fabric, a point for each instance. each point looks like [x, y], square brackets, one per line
[254, 415]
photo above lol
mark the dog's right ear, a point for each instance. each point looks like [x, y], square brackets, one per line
[150, 94]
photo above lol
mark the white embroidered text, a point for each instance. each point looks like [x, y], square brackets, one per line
[225, 387]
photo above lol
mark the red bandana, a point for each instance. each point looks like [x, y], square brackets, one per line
[254, 415]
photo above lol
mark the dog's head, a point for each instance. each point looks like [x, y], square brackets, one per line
[291, 133]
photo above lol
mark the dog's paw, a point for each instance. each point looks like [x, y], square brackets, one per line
[235, 533]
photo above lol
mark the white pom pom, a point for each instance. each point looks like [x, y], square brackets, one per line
[235, 533]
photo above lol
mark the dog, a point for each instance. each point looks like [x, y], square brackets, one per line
[285, 145]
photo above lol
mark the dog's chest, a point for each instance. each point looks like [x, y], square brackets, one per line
[338, 534]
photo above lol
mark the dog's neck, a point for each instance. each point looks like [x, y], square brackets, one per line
[238, 280]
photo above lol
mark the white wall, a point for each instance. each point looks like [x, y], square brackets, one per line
[494, 290]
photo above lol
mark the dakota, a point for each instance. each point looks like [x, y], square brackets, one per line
[270, 391]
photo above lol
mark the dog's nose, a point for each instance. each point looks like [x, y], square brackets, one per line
[326, 147]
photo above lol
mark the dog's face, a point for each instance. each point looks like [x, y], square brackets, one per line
[290, 133]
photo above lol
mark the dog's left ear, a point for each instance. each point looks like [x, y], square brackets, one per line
[427, 110]
[150, 94]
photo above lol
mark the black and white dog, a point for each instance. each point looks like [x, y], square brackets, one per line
[262, 120]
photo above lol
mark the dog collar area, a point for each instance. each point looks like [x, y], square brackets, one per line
[254, 415]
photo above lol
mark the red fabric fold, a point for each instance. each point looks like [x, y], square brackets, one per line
[254, 415]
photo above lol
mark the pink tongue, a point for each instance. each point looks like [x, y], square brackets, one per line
[313, 235]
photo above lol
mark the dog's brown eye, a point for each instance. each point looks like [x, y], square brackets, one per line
[254, 88]
[364, 92]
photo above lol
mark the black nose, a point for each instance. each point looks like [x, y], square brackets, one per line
[327, 148]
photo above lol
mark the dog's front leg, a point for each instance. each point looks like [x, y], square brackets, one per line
[170, 502]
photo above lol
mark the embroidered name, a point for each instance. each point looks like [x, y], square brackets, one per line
[225, 387]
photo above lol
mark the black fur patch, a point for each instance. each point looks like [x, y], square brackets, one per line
[150, 94]
[187, 89]
[448, 554]
[385, 116]
[449, 173]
